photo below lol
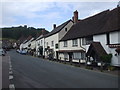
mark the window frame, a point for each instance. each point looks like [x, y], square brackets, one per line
[65, 43]
[75, 42]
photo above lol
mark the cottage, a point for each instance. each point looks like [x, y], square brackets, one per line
[94, 36]
[26, 43]
[40, 45]
[52, 39]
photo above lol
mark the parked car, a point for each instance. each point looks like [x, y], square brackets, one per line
[18, 51]
[24, 52]
[2, 52]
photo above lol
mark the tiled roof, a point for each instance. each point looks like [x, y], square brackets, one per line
[106, 21]
[58, 28]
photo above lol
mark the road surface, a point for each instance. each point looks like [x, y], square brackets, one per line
[32, 72]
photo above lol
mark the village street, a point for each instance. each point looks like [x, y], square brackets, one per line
[32, 72]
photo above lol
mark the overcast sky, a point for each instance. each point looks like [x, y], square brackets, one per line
[44, 14]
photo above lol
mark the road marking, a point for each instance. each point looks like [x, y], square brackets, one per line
[10, 69]
[10, 77]
[10, 72]
[10, 66]
[12, 87]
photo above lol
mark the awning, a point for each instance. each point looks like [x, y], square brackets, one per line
[71, 51]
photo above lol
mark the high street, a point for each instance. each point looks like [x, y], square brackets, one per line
[33, 72]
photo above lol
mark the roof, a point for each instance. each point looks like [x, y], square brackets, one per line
[106, 21]
[58, 28]
[28, 38]
[97, 47]
[21, 39]
[118, 50]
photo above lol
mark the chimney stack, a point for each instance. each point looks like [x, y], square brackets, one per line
[43, 30]
[75, 16]
[54, 26]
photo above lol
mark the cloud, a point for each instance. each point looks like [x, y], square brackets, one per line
[44, 14]
[60, 0]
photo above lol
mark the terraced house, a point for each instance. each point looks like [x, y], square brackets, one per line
[40, 44]
[93, 37]
[52, 39]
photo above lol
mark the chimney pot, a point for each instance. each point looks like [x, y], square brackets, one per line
[54, 26]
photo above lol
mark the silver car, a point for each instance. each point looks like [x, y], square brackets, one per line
[2, 52]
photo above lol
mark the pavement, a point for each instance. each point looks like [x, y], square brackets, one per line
[31, 72]
[5, 71]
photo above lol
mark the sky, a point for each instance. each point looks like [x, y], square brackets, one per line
[45, 13]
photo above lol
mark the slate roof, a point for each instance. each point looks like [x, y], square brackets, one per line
[58, 28]
[106, 21]
[28, 38]
[97, 47]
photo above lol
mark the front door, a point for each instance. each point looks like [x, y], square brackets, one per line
[70, 56]
[57, 55]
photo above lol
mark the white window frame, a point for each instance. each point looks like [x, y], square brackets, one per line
[65, 43]
[75, 42]
[83, 41]
[52, 43]
[77, 55]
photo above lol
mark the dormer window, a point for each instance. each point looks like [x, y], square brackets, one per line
[52, 43]
[66, 29]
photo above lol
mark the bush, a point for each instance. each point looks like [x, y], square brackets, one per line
[106, 58]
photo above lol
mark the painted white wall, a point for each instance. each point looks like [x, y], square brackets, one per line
[38, 44]
[115, 58]
[33, 44]
[49, 39]
[115, 37]
[102, 39]
[25, 45]
[69, 45]
[63, 32]
[56, 37]
[62, 56]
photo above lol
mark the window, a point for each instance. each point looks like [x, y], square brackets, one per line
[108, 38]
[89, 40]
[41, 42]
[52, 43]
[47, 43]
[77, 55]
[75, 42]
[65, 56]
[56, 46]
[66, 29]
[83, 41]
[80, 41]
[83, 55]
[65, 43]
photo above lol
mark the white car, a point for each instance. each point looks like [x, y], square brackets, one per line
[2, 52]
[23, 52]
